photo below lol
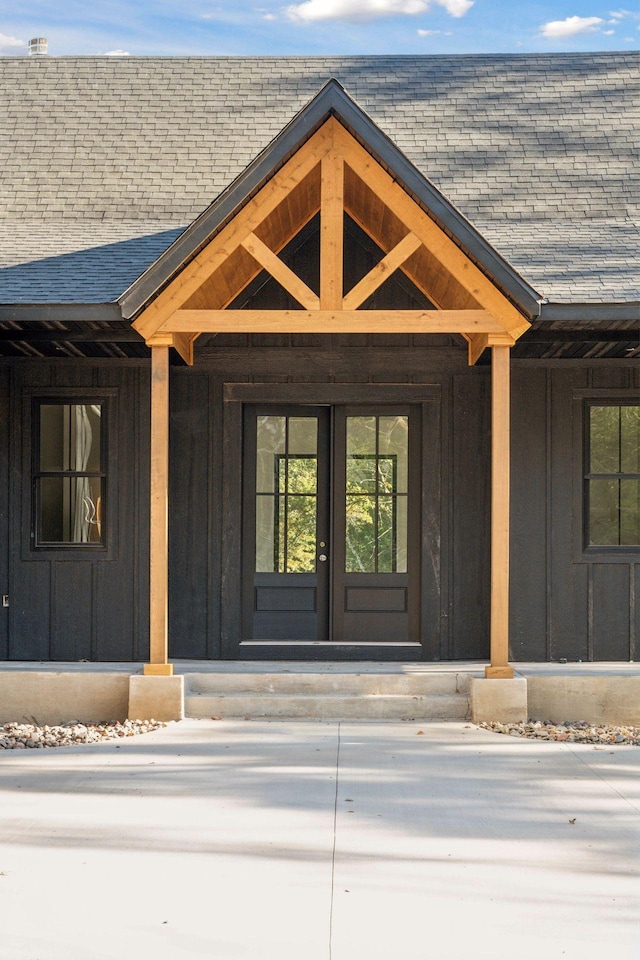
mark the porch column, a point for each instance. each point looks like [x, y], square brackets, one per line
[158, 540]
[500, 485]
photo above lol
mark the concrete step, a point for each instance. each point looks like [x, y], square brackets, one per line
[310, 706]
[328, 684]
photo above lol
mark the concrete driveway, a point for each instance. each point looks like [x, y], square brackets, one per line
[320, 841]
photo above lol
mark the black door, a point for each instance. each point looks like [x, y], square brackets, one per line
[331, 531]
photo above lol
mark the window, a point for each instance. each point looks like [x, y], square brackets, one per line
[69, 473]
[612, 474]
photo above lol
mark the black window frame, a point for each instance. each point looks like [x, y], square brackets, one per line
[34, 399]
[591, 550]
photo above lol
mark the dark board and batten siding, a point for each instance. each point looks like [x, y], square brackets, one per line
[75, 608]
[564, 604]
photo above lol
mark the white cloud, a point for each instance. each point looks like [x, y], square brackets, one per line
[608, 33]
[622, 14]
[363, 10]
[571, 27]
[117, 53]
[433, 33]
[8, 43]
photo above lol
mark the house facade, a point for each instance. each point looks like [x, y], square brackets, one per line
[319, 359]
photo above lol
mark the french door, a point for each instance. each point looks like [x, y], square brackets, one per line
[331, 525]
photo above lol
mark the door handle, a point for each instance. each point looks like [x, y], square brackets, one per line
[322, 558]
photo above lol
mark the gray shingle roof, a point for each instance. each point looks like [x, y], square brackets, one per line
[106, 160]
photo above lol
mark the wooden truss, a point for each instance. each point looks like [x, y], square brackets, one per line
[330, 174]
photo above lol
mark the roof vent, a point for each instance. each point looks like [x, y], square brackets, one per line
[38, 47]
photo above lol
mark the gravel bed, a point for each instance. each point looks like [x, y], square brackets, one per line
[578, 732]
[25, 736]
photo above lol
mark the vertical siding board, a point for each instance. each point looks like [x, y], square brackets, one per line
[142, 511]
[5, 420]
[30, 605]
[528, 593]
[431, 577]
[634, 619]
[470, 423]
[215, 476]
[188, 511]
[569, 596]
[611, 611]
[72, 614]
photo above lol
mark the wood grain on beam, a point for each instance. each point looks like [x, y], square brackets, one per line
[158, 532]
[230, 237]
[331, 231]
[381, 272]
[332, 321]
[430, 234]
[183, 343]
[500, 502]
[281, 272]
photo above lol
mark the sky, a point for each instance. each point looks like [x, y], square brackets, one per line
[308, 27]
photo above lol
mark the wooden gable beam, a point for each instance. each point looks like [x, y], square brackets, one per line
[331, 231]
[441, 246]
[332, 321]
[281, 272]
[247, 221]
[382, 271]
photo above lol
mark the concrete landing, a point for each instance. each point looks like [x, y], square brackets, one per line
[324, 841]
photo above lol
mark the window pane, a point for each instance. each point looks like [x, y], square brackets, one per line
[270, 444]
[604, 518]
[70, 436]
[629, 512]
[301, 535]
[361, 535]
[70, 510]
[630, 439]
[604, 439]
[394, 450]
[265, 534]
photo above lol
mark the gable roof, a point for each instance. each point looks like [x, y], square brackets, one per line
[331, 101]
[106, 161]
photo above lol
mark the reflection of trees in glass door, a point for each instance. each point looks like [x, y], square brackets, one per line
[306, 540]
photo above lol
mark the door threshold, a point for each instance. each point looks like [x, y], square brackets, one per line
[326, 643]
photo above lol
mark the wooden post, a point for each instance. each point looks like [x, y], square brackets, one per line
[158, 540]
[500, 484]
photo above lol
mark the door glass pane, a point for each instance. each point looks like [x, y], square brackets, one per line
[301, 535]
[271, 439]
[361, 454]
[394, 452]
[303, 435]
[265, 535]
[360, 534]
[69, 510]
[376, 489]
[286, 494]
[303, 474]
[70, 436]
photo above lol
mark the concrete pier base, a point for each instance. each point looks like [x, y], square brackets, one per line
[156, 698]
[499, 701]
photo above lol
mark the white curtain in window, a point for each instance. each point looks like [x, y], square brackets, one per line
[84, 510]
